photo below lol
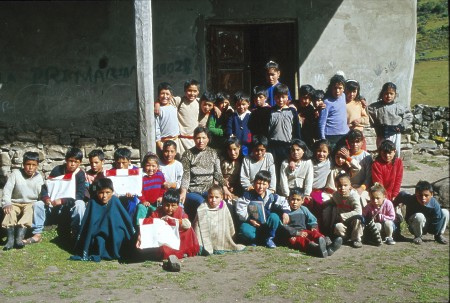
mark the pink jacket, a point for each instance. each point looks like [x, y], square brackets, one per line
[380, 214]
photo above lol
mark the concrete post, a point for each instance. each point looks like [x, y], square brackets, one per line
[144, 69]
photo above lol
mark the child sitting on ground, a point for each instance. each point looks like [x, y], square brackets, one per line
[214, 226]
[152, 187]
[297, 171]
[21, 191]
[381, 211]
[346, 212]
[169, 166]
[166, 121]
[257, 161]
[424, 213]
[302, 229]
[96, 161]
[237, 125]
[170, 212]
[261, 212]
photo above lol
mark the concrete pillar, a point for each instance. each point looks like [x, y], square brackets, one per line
[144, 69]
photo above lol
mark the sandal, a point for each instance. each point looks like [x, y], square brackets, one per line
[32, 240]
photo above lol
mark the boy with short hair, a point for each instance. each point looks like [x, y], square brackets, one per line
[206, 106]
[96, 161]
[170, 167]
[237, 125]
[302, 229]
[166, 121]
[284, 125]
[188, 110]
[218, 118]
[21, 191]
[259, 117]
[260, 211]
[67, 209]
[424, 213]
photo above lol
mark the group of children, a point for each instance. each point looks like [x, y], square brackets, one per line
[295, 173]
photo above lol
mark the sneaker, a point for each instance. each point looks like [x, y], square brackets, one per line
[417, 240]
[440, 239]
[270, 243]
[357, 244]
[389, 241]
[335, 245]
[322, 250]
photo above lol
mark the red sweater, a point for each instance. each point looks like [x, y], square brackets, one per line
[389, 175]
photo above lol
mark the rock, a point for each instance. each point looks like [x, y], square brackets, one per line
[5, 160]
[56, 152]
[135, 154]
[86, 142]
[415, 137]
[49, 139]
[28, 137]
[406, 155]
[441, 187]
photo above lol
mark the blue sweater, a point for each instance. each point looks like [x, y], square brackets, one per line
[333, 118]
[239, 128]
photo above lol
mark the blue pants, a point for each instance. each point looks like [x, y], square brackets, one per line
[258, 235]
[192, 202]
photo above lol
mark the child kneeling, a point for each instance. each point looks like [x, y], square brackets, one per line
[302, 230]
[260, 210]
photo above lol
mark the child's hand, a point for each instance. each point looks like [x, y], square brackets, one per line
[157, 108]
[7, 209]
[254, 223]
[145, 203]
[250, 188]
[344, 152]
[292, 165]
[356, 122]
[159, 145]
[159, 200]
[285, 219]
[303, 234]
[138, 242]
[57, 202]
[363, 102]
[217, 111]
[182, 196]
[128, 195]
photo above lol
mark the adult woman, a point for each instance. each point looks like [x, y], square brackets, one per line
[201, 167]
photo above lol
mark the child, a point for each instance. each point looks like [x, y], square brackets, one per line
[272, 75]
[387, 169]
[257, 161]
[206, 105]
[306, 113]
[302, 229]
[333, 118]
[317, 101]
[381, 211]
[302, 174]
[346, 213]
[321, 170]
[214, 226]
[122, 160]
[188, 109]
[96, 161]
[362, 179]
[389, 118]
[259, 118]
[261, 212]
[218, 123]
[171, 168]
[166, 121]
[342, 163]
[357, 117]
[423, 213]
[284, 125]
[65, 209]
[170, 212]
[237, 125]
[21, 191]
[231, 166]
[152, 187]
[107, 229]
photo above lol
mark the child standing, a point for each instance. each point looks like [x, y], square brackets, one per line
[257, 161]
[214, 226]
[237, 125]
[259, 118]
[166, 122]
[357, 117]
[306, 114]
[188, 110]
[206, 105]
[217, 124]
[389, 118]
[152, 187]
[284, 125]
[261, 212]
[272, 75]
[302, 229]
[317, 101]
[170, 167]
[381, 211]
[333, 118]
[346, 214]
[21, 191]
[387, 169]
[301, 174]
[424, 213]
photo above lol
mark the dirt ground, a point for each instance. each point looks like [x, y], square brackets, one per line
[400, 273]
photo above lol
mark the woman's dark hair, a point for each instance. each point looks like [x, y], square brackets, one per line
[387, 146]
[30, 156]
[307, 154]
[74, 152]
[263, 175]
[259, 140]
[202, 129]
[171, 195]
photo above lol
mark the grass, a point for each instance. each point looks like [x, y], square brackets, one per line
[430, 83]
